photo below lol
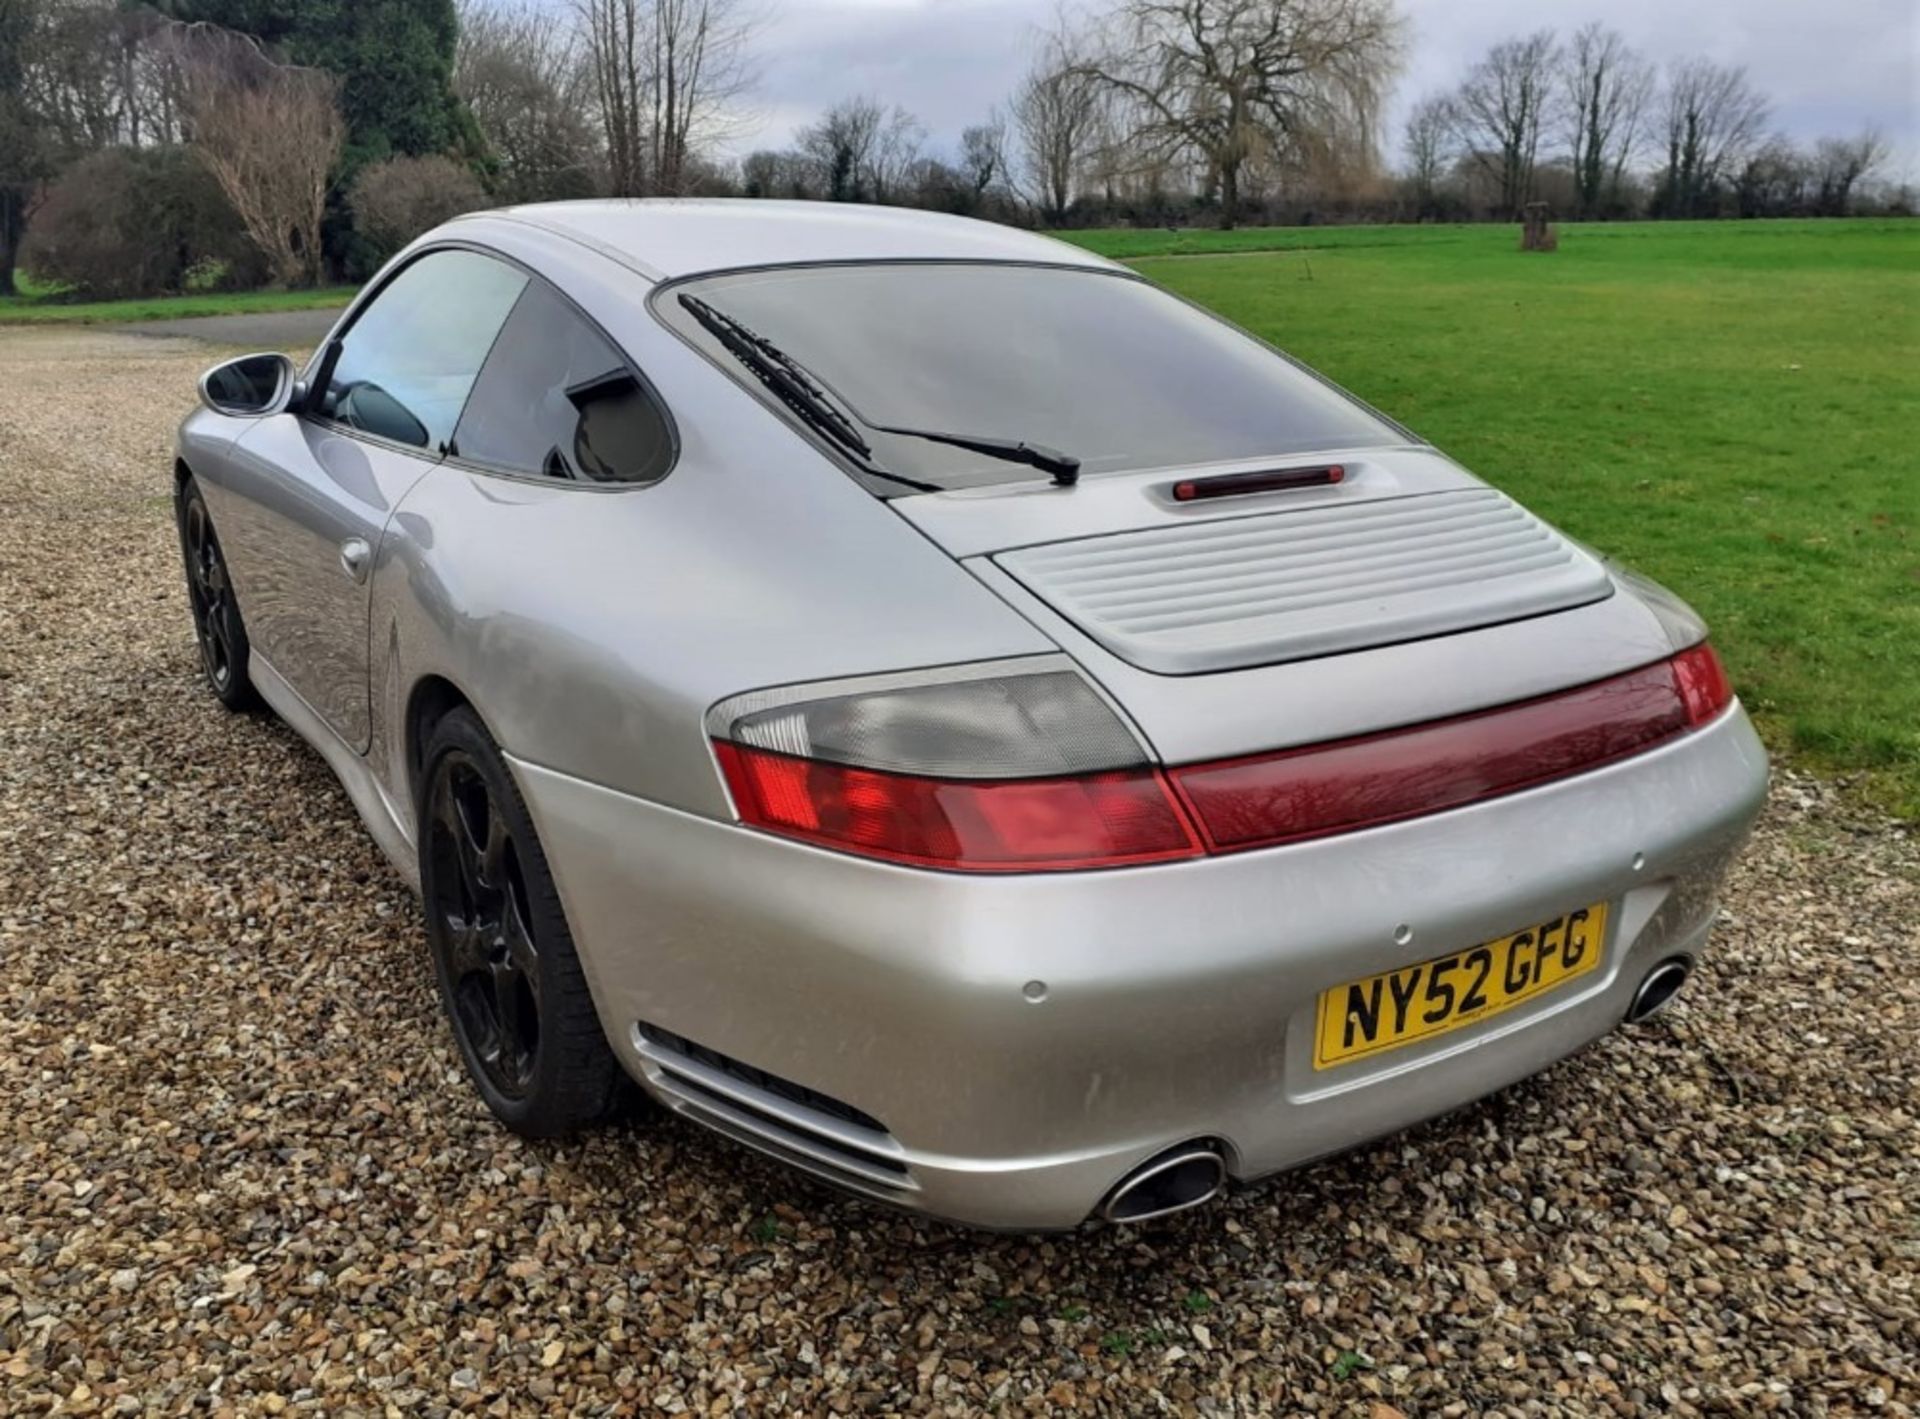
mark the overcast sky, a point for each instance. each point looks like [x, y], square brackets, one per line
[1829, 66]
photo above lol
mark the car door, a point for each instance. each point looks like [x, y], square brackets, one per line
[326, 481]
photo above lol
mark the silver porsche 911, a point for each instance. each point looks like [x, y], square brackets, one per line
[933, 706]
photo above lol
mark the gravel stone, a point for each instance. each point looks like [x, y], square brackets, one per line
[241, 1172]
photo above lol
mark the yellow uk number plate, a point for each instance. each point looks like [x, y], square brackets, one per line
[1386, 1011]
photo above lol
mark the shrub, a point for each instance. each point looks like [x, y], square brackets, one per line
[135, 222]
[396, 200]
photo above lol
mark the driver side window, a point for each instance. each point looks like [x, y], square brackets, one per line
[410, 358]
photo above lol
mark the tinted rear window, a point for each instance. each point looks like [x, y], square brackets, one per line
[1105, 367]
[556, 400]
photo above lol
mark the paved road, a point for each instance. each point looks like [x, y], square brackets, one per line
[264, 330]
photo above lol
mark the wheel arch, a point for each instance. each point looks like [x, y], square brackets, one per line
[432, 698]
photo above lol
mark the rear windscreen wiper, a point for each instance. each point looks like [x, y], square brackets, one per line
[801, 392]
[1064, 467]
[797, 389]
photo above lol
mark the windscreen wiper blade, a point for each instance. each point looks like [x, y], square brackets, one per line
[802, 393]
[1064, 467]
[796, 388]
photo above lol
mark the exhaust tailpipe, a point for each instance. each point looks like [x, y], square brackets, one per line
[1656, 992]
[1177, 1179]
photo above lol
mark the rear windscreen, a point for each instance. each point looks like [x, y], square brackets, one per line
[1102, 366]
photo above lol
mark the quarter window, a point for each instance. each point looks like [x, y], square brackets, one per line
[409, 360]
[556, 400]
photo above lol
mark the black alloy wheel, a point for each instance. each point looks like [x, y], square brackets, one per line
[512, 986]
[217, 626]
[480, 900]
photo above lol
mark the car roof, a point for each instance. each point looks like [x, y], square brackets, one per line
[664, 238]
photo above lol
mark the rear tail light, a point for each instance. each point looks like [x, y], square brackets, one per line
[1018, 768]
[1112, 819]
[995, 721]
[1381, 778]
[1704, 687]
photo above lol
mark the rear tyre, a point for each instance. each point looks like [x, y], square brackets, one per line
[509, 978]
[217, 627]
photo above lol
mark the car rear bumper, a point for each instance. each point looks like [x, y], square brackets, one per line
[1002, 1050]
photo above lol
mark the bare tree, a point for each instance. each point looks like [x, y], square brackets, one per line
[969, 185]
[615, 36]
[1774, 180]
[1059, 118]
[1228, 79]
[527, 83]
[983, 157]
[862, 151]
[788, 174]
[895, 154]
[270, 134]
[1127, 160]
[1426, 142]
[1500, 110]
[94, 77]
[699, 70]
[76, 76]
[1839, 163]
[1713, 118]
[154, 78]
[665, 74]
[840, 145]
[1606, 84]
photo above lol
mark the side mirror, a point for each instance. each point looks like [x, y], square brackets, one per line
[250, 386]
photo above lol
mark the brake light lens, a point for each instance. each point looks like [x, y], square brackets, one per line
[1236, 485]
[1363, 782]
[1704, 687]
[1015, 766]
[1031, 771]
[1115, 819]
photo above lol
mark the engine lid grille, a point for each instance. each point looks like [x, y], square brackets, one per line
[1284, 586]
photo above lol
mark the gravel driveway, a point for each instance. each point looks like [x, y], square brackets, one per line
[239, 1168]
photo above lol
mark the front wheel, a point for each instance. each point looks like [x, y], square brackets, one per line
[217, 627]
[510, 982]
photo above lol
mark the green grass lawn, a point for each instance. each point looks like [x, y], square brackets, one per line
[40, 308]
[1733, 408]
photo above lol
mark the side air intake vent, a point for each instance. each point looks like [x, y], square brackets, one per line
[802, 1126]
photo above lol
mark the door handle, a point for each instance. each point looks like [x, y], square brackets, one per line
[355, 557]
